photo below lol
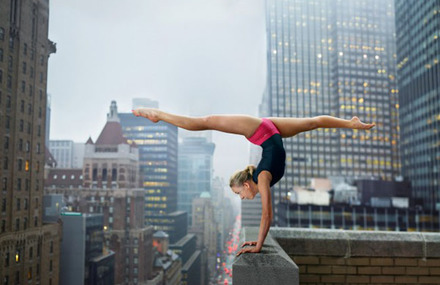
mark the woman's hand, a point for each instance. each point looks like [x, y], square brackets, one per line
[249, 250]
[252, 243]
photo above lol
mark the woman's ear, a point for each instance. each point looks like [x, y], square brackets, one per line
[246, 184]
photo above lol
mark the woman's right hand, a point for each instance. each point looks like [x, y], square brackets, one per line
[252, 243]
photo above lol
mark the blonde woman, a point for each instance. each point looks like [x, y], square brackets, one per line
[265, 132]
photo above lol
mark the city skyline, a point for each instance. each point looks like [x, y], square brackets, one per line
[210, 54]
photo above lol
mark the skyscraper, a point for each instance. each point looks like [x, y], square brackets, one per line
[333, 58]
[418, 56]
[29, 249]
[157, 144]
[195, 171]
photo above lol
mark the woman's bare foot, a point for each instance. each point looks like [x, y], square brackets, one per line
[149, 113]
[357, 124]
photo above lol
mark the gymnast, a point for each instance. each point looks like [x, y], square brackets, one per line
[265, 132]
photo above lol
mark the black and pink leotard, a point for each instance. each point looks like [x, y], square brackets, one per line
[273, 158]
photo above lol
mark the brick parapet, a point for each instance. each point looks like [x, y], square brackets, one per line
[360, 257]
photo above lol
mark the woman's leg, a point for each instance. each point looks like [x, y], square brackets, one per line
[291, 126]
[234, 124]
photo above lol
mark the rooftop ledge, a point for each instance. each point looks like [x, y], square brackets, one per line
[339, 256]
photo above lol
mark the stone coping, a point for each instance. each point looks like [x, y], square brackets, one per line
[346, 243]
[271, 266]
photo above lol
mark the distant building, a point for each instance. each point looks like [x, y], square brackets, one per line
[111, 162]
[205, 228]
[175, 224]
[29, 247]
[157, 145]
[166, 260]
[333, 58]
[144, 103]
[195, 171]
[371, 190]
[110, 188]
[418, 69]
[62, 151]
[82, 251]
[191, 259]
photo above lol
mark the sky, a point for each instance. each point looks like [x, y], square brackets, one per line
[194, 57]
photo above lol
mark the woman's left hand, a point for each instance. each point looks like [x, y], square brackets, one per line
[252, 249]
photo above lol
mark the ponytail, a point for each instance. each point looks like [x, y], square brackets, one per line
[241, 176]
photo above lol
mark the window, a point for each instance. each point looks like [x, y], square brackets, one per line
[25, 204]
[21, 125]
[25, 49]
[19, 184]
[9, 82]
[2, 34]
[6, 144]
[31, 252]
[3, 229]
[20, 144]
[24, 67]
[5, 183]
[3, 205]
[23, 87]
[25, 223]
[20, 164]
[22, 104]
[10, 63]
[1, 55]
[5, 163]
[18, 204]
[1, 76]
[17, 225]
[51, 246]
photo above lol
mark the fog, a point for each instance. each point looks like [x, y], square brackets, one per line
[194, 57]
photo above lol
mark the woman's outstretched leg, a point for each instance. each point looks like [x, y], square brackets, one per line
[291, 126]
[234, 124]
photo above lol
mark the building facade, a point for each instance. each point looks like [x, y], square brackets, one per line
[157, 144]
[418, 56]
[112, 161]
[29, 249]
[195, 171]
[333, 58]
[82, 251]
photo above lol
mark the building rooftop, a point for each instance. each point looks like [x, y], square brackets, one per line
[321, 256]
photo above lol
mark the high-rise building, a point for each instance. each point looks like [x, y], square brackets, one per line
[333, 58]
[24, 53]
[84, 258]
[418, 56]
[62, 151]
[195, 171]
[157, 144]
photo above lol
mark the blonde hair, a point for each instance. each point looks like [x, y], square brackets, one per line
[241, 176]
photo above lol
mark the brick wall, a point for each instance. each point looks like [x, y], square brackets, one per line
[367, 270]
[361, 257]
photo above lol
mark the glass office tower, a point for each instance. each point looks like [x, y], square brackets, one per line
[157, 145]
[334, 58]
[418, 56]
[195, 171]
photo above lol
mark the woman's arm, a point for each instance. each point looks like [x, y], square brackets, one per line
[264, 179]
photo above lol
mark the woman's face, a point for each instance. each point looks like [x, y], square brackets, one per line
[244, 191]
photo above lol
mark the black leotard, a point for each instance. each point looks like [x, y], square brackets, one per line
[273, 158]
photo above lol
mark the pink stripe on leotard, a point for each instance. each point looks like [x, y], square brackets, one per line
[264, 131]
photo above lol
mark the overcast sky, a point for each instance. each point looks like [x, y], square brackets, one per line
[195, 57]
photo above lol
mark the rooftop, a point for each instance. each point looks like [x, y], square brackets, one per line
[318, 256]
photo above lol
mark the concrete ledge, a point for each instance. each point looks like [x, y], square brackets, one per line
[271, 266]
[324, 242]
